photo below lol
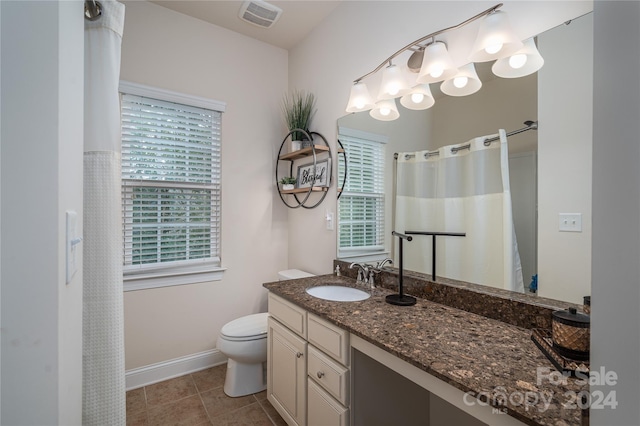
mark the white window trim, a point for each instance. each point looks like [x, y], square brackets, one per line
[369, 253]
[139, 277]
[173, 275]
[170, 96]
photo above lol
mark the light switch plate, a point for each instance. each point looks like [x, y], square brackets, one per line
[329, 219]
[570, 222]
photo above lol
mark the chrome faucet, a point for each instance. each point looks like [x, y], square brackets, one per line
[363, 271]
[383, 262]
[374, 270]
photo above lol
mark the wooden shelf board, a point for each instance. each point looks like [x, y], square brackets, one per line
[303, 190]
[304, 152]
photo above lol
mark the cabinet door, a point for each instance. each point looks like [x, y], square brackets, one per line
[323, 410]
[287, 373]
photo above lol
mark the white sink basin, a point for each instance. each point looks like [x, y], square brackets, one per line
[338, 293]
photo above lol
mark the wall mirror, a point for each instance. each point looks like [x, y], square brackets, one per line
[550, 169]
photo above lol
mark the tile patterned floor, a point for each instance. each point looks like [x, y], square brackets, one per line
[198, 399]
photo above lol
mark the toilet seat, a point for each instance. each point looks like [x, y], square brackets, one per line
[250, 327]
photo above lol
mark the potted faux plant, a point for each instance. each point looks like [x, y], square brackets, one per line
[298, 108]
[288, 183]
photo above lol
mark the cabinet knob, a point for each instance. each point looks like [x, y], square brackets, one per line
[299, 355]
[320, 374]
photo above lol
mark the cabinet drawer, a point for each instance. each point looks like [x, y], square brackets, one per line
[292, 316]
[333, 377]
[329, 338]
[323, 410]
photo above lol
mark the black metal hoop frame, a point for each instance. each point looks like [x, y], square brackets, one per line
[344, 178]
[302, 204]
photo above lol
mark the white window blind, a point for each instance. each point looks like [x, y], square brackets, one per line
[361, 205]
[170, 184]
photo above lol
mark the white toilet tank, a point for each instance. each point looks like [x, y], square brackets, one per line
[292, 274]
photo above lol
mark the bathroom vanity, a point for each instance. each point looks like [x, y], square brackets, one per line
[369, 362]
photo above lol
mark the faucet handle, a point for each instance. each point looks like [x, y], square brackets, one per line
[383, 262]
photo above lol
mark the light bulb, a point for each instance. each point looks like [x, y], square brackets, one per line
[359, 103]
[393, 89]
[385, 111]
[416, 98]
[436, 71]
[517, 61]
[493, 48]
[460, 82]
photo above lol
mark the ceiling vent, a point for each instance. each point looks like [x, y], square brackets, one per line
[260, 13]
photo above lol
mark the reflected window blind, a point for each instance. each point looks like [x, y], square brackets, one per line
[361, 205]
[170, 183]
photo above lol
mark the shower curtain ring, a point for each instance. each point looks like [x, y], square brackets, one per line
[92, 10]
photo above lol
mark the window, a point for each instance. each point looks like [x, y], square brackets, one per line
[361, 205]
[171, 189]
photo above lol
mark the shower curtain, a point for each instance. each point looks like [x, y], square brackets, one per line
[103, 382]
[464, 191]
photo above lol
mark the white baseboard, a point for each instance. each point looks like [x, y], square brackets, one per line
[154, 373]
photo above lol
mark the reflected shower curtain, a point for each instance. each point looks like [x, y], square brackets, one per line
[467, 191]
[103, 382]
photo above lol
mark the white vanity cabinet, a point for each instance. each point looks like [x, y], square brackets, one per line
[307, 367]
[287, 360]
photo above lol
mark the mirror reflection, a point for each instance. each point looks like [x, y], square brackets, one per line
[542, 184]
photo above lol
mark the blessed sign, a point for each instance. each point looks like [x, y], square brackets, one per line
[318, 175]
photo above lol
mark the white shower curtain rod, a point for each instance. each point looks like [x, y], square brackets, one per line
[531, 125]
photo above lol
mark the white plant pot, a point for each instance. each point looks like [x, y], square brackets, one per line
[288, 187]
[295, 146]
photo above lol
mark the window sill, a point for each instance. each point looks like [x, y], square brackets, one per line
[363, 256]
[133, 281]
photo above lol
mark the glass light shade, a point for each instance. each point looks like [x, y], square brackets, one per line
[360, 99]
[523, 62]
[385, 110]
[464, 83]
[420, 97]
[393, 83]
[436, 64]
[495, 39]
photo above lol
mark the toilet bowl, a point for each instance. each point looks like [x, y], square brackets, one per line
[244, 342]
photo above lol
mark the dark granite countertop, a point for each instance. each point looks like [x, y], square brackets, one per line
[485, 357]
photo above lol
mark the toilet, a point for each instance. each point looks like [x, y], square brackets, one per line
[244, 342]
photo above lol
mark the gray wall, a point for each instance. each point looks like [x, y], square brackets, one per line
[615, 320]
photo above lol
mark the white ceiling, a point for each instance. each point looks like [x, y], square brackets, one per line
[298, 17]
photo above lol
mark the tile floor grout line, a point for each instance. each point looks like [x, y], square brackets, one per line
[146, 404]
[204, 405]
[265, 411]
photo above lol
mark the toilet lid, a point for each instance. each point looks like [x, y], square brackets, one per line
[246, 327]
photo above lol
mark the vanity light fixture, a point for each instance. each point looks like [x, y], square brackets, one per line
[385, 110]
[464, 83]
[430, 62]
[525, 61]
[420, 97]
[437, 64]
[495, 38]
[360, 99]
[393, 83]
